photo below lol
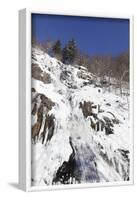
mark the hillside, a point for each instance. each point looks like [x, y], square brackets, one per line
[80, 131]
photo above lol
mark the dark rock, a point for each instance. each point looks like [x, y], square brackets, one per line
[97, 85]
[46, 102]
[34, 58]
[108, 104]
[33, 90]
[87, 108]
[124, 153]
[92, 124]
[103, 82]
[109, 130]
[34, 110]
[108, 126]
[66, 170]
[99, 109]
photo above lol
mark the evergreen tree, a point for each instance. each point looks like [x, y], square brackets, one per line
[69, 52]
[57, 48]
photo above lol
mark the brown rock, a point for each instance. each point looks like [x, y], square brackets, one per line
[36, 129]
[34, 110]
[40, 109]
[38, 74]
[47, 102]
[86, 108]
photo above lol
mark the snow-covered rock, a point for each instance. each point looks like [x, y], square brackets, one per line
[80, 133]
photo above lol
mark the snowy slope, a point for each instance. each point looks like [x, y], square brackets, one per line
[80, 132]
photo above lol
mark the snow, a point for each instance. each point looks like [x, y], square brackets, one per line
[70, 122]
[46, 159]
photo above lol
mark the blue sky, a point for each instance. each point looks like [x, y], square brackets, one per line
[93, 35]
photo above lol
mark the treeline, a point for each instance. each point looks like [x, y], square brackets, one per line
[101, 66]
[67, 54]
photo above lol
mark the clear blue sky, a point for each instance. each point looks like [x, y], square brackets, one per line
[93, 35]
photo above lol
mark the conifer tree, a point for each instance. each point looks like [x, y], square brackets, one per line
[57, 49]
[69, 52]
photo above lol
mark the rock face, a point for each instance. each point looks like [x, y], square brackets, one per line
[38, 74]
[40, 108]
[80, 132]
[98, 124]
[87, 108]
